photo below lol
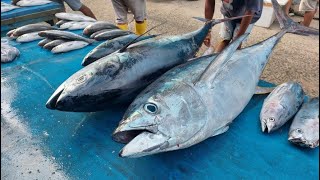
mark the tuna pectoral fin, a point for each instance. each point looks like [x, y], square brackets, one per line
[263, 90]
[220, 131]
[288, 25]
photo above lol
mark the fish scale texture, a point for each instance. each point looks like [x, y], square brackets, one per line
[39, 143]
[27, 10]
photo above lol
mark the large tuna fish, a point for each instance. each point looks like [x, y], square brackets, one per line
[281, 105]
[120, 76]
[183, 108]
[111, 46]
[304, 130]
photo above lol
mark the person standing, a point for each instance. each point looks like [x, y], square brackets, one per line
[138, 9]
[310, 8]
[232, 29]
[76, 5]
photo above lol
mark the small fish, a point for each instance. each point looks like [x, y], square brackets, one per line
[44, 41]
[98, 26]
[29, 37]
[304, 130]
[69, 46]
[31, 28]
[74, 17]
[66, 25]
[56, 34]
[99, 32]
[54, 43]
[33, 2]
[111, 34]
[8, 53]
[79, 25]
[7, 7]
[281, 105]
[59, 23]
[9, 33]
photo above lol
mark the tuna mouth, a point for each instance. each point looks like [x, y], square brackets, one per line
[126, 136]
[302, 142]
[52, 102]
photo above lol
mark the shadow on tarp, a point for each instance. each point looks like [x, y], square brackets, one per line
[80, 145]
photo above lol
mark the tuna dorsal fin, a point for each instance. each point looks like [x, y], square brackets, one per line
[216, 66]
[288, 25]
[133, 41]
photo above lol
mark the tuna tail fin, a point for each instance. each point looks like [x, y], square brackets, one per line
[216, 66]
[288, 25]
[133, 41]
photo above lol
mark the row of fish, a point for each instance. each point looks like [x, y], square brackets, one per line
[285, 102]
[62, 41]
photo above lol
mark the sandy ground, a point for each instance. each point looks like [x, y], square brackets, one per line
[295, 58]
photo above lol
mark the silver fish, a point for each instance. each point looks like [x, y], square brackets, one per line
[304, 130]
[73, 17]
[79, 25]
[281, 105]
[56, 34]
[8, 53]
[99, 32]
[179, 110]
[29, 37]
[31, 28]
[111, 34]
[69, 46]
[59, 23]
[7, 7]
[66, 25]
[9, 33]
[33, 2]
[98, 26]
[54, 43]
[44, 42]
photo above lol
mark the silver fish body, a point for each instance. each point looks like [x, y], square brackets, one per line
[56, 34]
[74, 17]
[44, 42]
[8, 53]
[99, 32]
[54, 43]
[111, 34]
[79, 25]
[69, 46]
[59, 23]
[281, 105]
[304, 130]
[181, 110]
[98, 26]
[7, 7]
[29, 37]
[31, 28]
[33, 2]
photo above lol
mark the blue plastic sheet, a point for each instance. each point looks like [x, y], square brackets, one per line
[41, 143]
[28, 10]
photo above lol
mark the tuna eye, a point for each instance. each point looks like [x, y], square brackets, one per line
[299, 130]
[151, 108]
[82, 78]
[271, 119]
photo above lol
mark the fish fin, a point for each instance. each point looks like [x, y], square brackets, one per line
[288, 25]
[216, 66]
[220, 131]
[133, 41]
[217, 21]
[264, 90]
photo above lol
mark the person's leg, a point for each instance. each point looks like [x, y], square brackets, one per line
[87, 11]
[287, 7]
[138, 8]
[249, 29]
[121, 11]
[226, 34]
[310, 8]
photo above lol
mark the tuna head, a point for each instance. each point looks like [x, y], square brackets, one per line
[163, 121]
[299, 137]
[89, 88]
[271, 117]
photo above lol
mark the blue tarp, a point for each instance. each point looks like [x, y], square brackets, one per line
[79, 145]
[28, 10]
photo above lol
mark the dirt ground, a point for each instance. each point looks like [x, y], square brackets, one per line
[295, 58]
